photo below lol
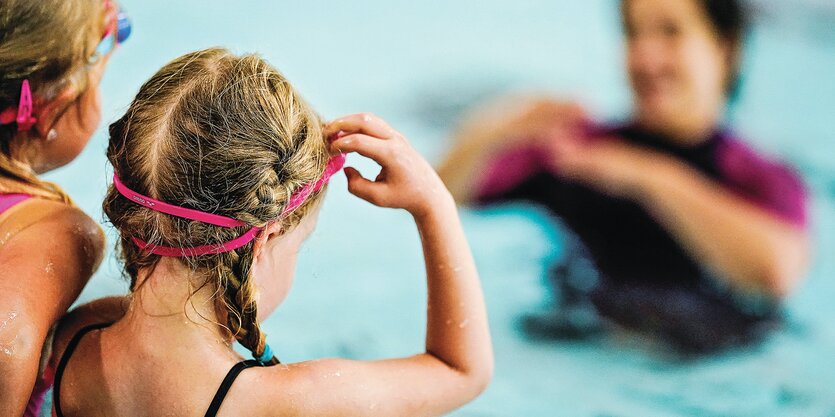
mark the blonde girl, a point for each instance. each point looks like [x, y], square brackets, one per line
[52, 56]
[219, 171]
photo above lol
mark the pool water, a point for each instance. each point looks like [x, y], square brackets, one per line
[360, 290]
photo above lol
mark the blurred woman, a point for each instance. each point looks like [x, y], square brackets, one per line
[682, 230]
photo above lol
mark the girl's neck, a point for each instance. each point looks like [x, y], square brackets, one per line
[171, 303]
[26, 151]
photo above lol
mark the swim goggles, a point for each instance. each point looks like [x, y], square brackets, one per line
[335, 164]
[118, 30]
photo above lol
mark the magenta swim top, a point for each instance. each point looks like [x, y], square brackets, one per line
[623, 239]
[8, 201]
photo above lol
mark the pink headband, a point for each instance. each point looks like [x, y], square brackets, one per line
[300, 196]
[23, 115]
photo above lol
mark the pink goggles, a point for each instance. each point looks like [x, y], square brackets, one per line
[118, 29]
[335, 164]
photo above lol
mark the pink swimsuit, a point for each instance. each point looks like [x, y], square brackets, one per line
[8, 201]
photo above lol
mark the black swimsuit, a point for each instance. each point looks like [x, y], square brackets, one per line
[628, 264]
[220, 395]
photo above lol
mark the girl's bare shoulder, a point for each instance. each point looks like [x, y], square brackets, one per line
[102, 311]
[38, 229]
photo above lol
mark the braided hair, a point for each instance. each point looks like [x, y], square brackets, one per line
[218, 133]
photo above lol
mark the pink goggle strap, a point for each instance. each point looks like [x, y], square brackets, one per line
[334, 165]
[173, 210]
[23, 116]
[199, 250]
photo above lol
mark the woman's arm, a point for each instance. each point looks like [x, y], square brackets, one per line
[505, 124]
[742, 243]
[458, 361]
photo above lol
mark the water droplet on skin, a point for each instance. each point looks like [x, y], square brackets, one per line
[5, 238]
[448, 322]
[464, 324]
[10, 317]
[458, 269]
[7, 347]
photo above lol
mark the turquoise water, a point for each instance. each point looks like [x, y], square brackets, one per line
[359, 290]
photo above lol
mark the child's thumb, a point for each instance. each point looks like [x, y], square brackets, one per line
[362, 187]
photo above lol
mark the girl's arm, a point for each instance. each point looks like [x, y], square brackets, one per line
[54, 250]
[457, 363]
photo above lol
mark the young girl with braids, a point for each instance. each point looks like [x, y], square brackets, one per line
[219, 171]
[52, 56]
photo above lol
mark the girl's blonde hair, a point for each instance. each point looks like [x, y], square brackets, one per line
[47, 42]
[223, 134]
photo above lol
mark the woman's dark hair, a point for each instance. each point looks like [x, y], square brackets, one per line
[730, 20]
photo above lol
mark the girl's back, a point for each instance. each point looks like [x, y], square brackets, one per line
[117, 371]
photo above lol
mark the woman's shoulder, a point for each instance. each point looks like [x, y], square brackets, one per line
[774, 184]
[736, 152]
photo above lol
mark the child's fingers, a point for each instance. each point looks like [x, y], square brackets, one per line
[363, 188]
[367, 146]
[361, 123]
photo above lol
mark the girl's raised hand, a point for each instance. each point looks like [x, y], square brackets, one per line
[405, 181]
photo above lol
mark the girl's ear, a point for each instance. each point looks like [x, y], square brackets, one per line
[270, 231]
[49, 112]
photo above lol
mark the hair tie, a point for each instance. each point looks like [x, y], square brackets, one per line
[266, 356]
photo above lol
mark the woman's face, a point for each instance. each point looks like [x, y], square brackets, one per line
[678, 66]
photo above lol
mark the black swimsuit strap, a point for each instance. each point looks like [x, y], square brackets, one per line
[65, 358]
[214, 407]
[233, 373]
